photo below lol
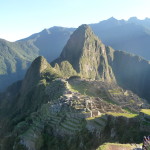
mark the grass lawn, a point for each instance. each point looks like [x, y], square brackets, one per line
[146, 111]
[123, 114]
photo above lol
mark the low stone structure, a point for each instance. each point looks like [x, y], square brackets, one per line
[95, 113]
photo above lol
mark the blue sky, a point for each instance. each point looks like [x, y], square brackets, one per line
[21, 18]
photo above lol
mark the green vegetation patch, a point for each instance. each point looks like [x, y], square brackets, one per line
[108, 146]
[129, 110]
[146, 111]
[102, 117]
[115, 91]
[66, 69]
[85, 88]
[122, 114]
[146, 123]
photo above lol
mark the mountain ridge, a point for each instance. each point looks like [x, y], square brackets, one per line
[28, 50]
[120, 38]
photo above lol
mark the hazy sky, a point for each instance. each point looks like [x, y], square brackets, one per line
[21, 18]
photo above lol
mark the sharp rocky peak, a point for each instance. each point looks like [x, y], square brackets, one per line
[84, 30]
[82, 37]
[87, 54]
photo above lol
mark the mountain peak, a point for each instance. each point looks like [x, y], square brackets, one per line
[112, 18]
[87, 54]
[133, 20]
[84, 26]
[40, 64]
[84, 30]
[45, 32]
[76, 45]
[33, 74]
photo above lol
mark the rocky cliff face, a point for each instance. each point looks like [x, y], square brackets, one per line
[87, 54]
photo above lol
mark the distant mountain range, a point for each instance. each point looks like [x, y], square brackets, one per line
[16, 57]
[132, 36]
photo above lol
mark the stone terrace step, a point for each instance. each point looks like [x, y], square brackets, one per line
[66, 126]
[74, 120]
[75, 125]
